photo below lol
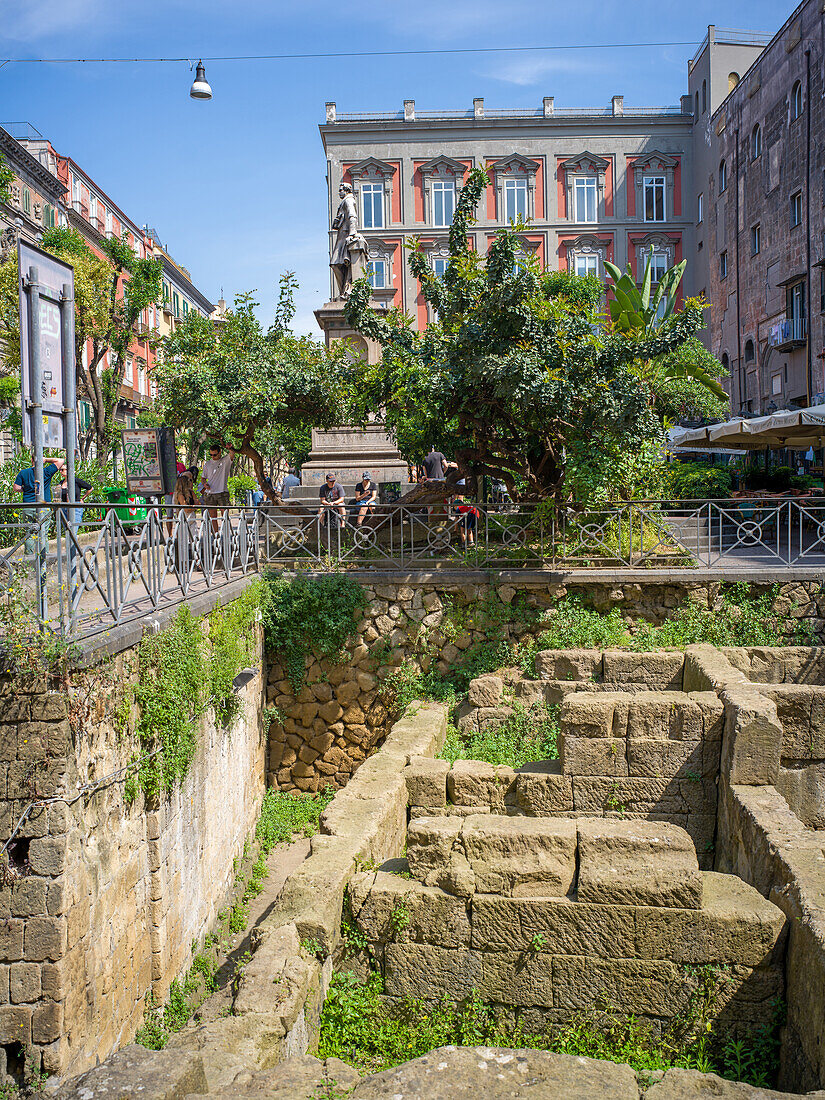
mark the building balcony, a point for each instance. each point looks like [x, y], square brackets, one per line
[788, 333]
[80, 208]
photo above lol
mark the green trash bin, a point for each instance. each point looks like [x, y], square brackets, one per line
[130, 510]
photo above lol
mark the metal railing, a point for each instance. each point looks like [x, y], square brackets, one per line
[113, 567]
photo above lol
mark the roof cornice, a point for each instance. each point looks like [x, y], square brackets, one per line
[14, 151]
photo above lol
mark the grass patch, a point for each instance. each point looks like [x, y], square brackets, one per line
[528, 734]
[361, 1028]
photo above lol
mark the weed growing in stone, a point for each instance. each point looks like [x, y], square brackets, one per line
[528, 734]
[571, 625]
[400, 918]
[181, 674]
[304, 615]
[372, 1034]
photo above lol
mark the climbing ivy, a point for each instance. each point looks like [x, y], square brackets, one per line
[183, 670]
[309, 614]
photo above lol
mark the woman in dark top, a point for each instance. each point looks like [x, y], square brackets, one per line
[80, 486]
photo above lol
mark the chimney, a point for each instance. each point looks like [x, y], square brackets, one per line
[330, 112]
[618, 104]
[409, 110]
[549, 104]
[478, 108]
[687, 104]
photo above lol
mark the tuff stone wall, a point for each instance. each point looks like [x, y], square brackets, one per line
[104, 898]
[321, 733]
[632, 744]
[550, 916]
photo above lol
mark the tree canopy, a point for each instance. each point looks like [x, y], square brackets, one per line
[111, 292]
[252, 389]
[519, 367]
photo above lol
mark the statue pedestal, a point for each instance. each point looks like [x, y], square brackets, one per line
[348, 451]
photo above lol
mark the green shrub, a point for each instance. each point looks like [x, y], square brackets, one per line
[571, 625]
[528, 734]
[239, 485]
[740, 619]
[309, 614]
[372, 1035]
[698, 480]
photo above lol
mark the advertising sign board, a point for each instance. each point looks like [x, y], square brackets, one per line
[55, 358]
[142, 460]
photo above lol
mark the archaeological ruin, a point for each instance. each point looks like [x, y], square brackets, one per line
[665, 864]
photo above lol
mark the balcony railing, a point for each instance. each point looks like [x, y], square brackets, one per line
[788, 333]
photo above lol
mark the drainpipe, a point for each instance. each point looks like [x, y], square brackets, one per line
[742, 379]
[809, 311]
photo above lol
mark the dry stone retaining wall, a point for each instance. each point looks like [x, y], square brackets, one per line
[322, 732]
[105, 899]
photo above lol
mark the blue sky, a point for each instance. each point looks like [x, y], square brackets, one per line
[235, 186]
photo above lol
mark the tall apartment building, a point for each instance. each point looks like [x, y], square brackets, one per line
[595, 185]
[37, 199]
[765, 220]
[733, 179]
[96, 216]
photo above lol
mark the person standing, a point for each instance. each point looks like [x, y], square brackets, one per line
[436, 466]
[66, 495]
[25, 483]
[291, 481]
[214, 480]
[332, 500]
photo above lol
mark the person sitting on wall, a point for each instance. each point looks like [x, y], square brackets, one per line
[366, 494]
[332, 501]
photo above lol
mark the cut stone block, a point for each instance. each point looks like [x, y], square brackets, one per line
[521, 856]
[659, 670]
[753, 737]
[542, 790]
[486, 691]
[476, 783]
[593, 755]
[664, 716]
[735, 926]
[667, 759]
[436, 857]
[566, 927]
[466, 1073]
[569, 664]
[637, 863]
[594, 714]
[426, 781]
[432, 915]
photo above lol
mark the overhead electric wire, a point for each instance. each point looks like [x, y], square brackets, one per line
[337, 53]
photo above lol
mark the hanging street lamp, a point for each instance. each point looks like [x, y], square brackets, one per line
[200, 88]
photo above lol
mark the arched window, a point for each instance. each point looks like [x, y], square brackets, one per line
[796, 100]
[756, 141]
[725, 361]
[697, 103]
[733, 80]
[749, 351]
[704, 96]
[723, 177]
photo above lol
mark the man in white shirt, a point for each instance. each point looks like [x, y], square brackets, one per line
[214, 479]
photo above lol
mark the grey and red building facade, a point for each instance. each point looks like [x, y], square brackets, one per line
[733, 179]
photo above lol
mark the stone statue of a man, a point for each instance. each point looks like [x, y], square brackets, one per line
[349, 249]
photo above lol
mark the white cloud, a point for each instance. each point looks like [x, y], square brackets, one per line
[33, 20]
[527, 69]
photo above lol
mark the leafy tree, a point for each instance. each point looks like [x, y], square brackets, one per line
[677, 395]
[251, 389]
[641, 312]
[111, 292]
[517, 365]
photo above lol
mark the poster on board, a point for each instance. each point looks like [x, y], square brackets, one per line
[142, 461]
[52, 276]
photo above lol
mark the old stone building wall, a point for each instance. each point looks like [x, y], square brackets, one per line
[106, 895]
